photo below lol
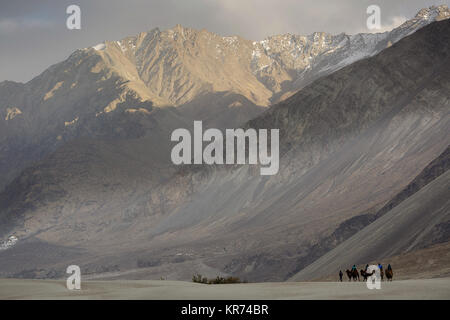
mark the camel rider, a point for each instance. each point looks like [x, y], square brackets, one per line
[354, 267]
[389, 267]
[367, 267]
[380, 267]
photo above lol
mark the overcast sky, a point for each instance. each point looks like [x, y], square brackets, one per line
[33, 33]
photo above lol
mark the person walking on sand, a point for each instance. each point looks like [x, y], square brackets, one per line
[340, 275]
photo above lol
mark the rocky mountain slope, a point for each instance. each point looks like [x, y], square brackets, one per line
[180, 63]
[349, 142]
[435, 233]
[338, 161]
[415, 223]
[223, 80]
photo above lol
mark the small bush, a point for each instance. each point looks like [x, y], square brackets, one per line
[197, 278]
[218, 280]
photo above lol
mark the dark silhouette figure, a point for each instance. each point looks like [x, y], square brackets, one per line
[367, 267]
[380, 266]
[389, 273]
[353, 274]
[340, 275]
[366, 274]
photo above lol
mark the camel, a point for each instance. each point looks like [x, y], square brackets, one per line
[366, 274]
[389, 275]
[352, 275]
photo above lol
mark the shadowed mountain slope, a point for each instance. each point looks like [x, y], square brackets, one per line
[440, 232]
[408, 226]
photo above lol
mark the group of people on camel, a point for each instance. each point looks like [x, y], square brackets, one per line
[354, 274]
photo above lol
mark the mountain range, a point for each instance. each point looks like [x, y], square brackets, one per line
[85, 154]
[224, 81]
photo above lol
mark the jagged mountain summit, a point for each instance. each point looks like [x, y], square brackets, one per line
[178, 64]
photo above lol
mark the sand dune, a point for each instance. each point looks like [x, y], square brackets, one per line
[158, 289]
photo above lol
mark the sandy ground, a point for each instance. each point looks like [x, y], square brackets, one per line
[160, 289]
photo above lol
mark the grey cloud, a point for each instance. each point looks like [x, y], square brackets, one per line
[8, 25]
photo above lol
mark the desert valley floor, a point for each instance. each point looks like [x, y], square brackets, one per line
[422, 289]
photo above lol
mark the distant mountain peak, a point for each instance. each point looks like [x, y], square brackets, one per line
[176, 65]
[434, 13]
